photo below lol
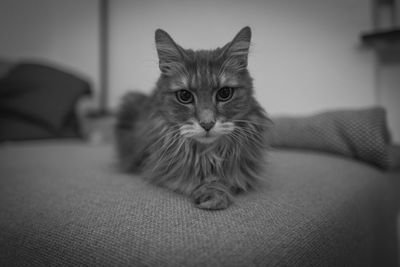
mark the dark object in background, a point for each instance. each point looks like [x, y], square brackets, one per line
[39, 101]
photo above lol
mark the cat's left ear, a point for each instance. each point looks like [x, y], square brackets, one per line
[238, 49]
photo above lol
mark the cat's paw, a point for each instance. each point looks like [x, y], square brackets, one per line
[212, 196]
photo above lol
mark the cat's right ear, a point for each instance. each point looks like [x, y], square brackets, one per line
[170, 54]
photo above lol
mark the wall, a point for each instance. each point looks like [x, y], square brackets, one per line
[388, 84]
[61, 32]
[305, 57]
[306, 54]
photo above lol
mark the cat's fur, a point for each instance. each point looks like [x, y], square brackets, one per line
[163, 139]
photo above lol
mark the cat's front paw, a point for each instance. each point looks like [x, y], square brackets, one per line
[211, 196]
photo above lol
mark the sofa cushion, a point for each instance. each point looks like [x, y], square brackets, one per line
[42, 95]
[362, 134]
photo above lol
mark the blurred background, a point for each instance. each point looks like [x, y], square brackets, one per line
[307, 55]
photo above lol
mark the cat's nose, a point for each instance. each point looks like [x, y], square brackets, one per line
[207, 125]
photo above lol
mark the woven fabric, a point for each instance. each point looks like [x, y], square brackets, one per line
[360, 134]
[67, 205]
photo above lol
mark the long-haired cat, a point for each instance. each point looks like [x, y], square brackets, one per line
[201, 132]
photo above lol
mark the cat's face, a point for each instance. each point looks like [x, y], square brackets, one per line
[206, 94]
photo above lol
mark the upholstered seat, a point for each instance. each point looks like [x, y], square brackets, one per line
[65, 203]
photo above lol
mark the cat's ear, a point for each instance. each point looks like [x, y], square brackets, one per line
[236, 51]
[170, 54]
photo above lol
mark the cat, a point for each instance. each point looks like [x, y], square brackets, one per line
[201, 132]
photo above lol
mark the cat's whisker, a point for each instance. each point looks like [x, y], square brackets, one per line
[226, 128]
[173, 139]
[249, 135]
[165, 140]
[189, 134]
[253, 123]
[248, 131]
[232, 136]
[186, 127]
[235, 137]
[181, 142]
[252, 136]
[169, 142]
[250, 128]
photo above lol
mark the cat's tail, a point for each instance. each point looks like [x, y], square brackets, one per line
[131, 109]
[131, 113]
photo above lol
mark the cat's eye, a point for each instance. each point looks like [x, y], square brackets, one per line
[184, 96]
[224, 94]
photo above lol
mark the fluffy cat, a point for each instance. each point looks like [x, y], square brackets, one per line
[201, 132]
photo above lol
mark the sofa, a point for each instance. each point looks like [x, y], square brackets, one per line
[330, 197]
[64, 203]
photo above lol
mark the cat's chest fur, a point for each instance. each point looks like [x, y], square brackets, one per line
[182, 165]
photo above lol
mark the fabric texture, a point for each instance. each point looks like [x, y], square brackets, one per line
[360, 134]
[38, 101]
[65, 204]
